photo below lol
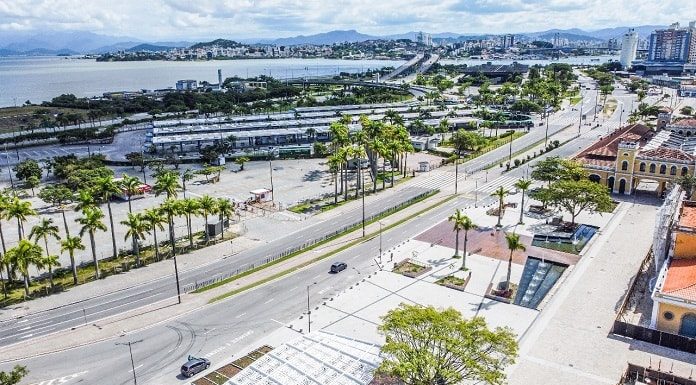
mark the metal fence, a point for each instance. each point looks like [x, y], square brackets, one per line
[241, 270]
[657, 337]
[650, 375]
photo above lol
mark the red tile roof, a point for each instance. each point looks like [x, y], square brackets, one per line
[603, 152]
[681, 279]
[687, 218]
[667, 153]
[690, 123]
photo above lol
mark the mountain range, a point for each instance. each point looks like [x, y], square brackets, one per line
[80, 42]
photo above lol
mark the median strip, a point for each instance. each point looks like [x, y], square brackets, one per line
[321, 257]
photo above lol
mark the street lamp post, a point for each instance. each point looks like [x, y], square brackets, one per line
[380, 241]
[456, 173]
[476, 193]
[130, 350]
[362, 186]
[309, 311]
[546, 135]
[512, 133]
[270, 166]
[176, 276]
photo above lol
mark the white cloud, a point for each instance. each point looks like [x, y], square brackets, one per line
[191, 19]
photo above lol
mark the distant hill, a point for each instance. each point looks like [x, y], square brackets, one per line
[347, 36]
[601, 34]
[73, 41]
[151, 48]
[218, 42]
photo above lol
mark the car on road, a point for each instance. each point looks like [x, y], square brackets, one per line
[338, 267]
[194, 366]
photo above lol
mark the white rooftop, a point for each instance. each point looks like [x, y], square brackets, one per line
[319, 358]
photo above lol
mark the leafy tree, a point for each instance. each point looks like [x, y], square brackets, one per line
[466, 140]
[155, 219]
[13, 377]
[105, 188]
[171, 208]
[500, 193]
[23, 256]
[514, 244]
[225, 209]
[136, 159]
[208, 206]
[130, 185]
[58, 195]
[136, 228]
[43, 230]
[523, 185]
[425, 346]
[186, 176]
[578, 196]
[19, 210]
[240, 162]
[91, 222]
[70, 244]
[48, 262]
[554, 169]
[189, 207]
[27, 169]
[687, 183]
[33, 182]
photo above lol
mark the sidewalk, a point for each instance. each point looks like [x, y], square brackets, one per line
[164, 311]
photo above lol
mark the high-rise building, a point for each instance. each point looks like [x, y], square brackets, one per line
[424, 38]
[674, 44]
[629, 45]
[507, 41]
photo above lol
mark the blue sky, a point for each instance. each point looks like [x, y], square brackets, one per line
[190, 19]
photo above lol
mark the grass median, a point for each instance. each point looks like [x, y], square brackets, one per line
[319, 258]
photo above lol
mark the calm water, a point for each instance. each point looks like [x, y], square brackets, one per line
[41, 78]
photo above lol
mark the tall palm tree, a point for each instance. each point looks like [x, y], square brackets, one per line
[457, 218]
[84, 199]
[70, 244]
[23, 256]
[523, 185]
[168, 183]
[171, 208]
[155, 219]
[4, 205]
[136, 228]
[105, 188]
[48, 262]
[462, 222]
[514, 244]
[20, 210]
[188, 207]
[225, 209]
[208, 206]
[44, 230]
[4, 262]
[186, 176]
[91, 222]
[130, 186]
[500, 193]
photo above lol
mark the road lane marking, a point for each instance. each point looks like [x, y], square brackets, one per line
[240, 315]
[269, 301]
[136, 368]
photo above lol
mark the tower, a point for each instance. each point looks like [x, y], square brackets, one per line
[219, 78]
[629, 45]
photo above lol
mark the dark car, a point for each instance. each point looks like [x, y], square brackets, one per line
[194, 366]
[338, 267]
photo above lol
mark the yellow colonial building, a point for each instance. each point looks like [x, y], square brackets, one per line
[638, 153]
[674, 294]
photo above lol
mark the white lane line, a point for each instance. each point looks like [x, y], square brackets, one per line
[25, 336]
[269, 301]
[278, 322]
[240, 315]
[24, 328]
[136, 368]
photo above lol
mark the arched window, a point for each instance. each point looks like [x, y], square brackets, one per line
[685, 171]
[642, 166]
[688, 325]
[663, 169]
[652, 168]
[673, 170]
[624, 165]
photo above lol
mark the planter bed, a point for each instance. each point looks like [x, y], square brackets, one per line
[497, 295]
[410, 269]
[453, 282]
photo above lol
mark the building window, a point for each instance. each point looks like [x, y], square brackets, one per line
[668, 315]
[624, 165]
[684, 171]
[673, 170]
[642, 166]
[652, 168]
[663, 169]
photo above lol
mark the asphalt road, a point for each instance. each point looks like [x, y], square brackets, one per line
[219, 330]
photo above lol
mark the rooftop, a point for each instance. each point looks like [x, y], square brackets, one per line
[688, 215]
[603, 152]
[690, 123]
[680, 281]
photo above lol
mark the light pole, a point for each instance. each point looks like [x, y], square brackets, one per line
[130, 350]
[476, 193]
[270, 166]
[176, 276]
[512, 133]
[362, 187]
[546, 135]
[380, 241]
[456, 173]
[309, 311]
[581, 106]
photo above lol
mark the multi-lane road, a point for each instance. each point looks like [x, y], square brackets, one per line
[218, 330]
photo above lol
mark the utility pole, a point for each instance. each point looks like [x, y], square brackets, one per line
[130, 350]
[362, 185]
[309, 311]
[456, 173]
[270, 166]
[380, 241]
[176, 276]
[546, 136]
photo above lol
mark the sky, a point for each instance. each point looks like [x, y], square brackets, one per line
[190, 19]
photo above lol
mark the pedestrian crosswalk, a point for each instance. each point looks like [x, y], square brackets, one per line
[505, 181]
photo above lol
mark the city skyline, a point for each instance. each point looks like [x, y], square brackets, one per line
[162, 19]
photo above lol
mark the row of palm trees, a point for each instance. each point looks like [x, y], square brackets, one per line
[92, 220]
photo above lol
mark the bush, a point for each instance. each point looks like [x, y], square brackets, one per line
[517, 162]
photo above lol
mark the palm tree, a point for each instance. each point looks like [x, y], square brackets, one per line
[91, 222]
[70, 244]
[106, 188]
[130, 186]
[500, 193]
[136, 228]
[48, 262]
[20, 210]
[4, 262]
[186, 176]
[523, 185]
[84, 199]
[4, 205]
[155, 220]
[44, 230]
[189, 207]
[208, 205]
[24, 255]
[171, 207]
[514, 244]
[225, 209]
[461, 222]
[167, 183]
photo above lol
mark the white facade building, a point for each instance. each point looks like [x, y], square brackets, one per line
[629, 45]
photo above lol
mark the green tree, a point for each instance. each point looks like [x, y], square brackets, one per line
[500, 193]
[24, 255]
[514, 244]
[189, 207]
[168, 183]
[136, 228]
[70, 244]
[240, 162]
[461, 222]
[186, 176]
[27, 169]
[578, 196]
[130, 185]
[225, 208]
[171, 208]
[523, 185]
[91, 222]
[554, 169]
[105, 188]
[425, 346]
[687, 183]
[48, 262]
[13, 377]
[155, 220]
[19, 210]
[58, 196]
[43, 230]
[32, 182]
[208, 206]
[84, 199]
